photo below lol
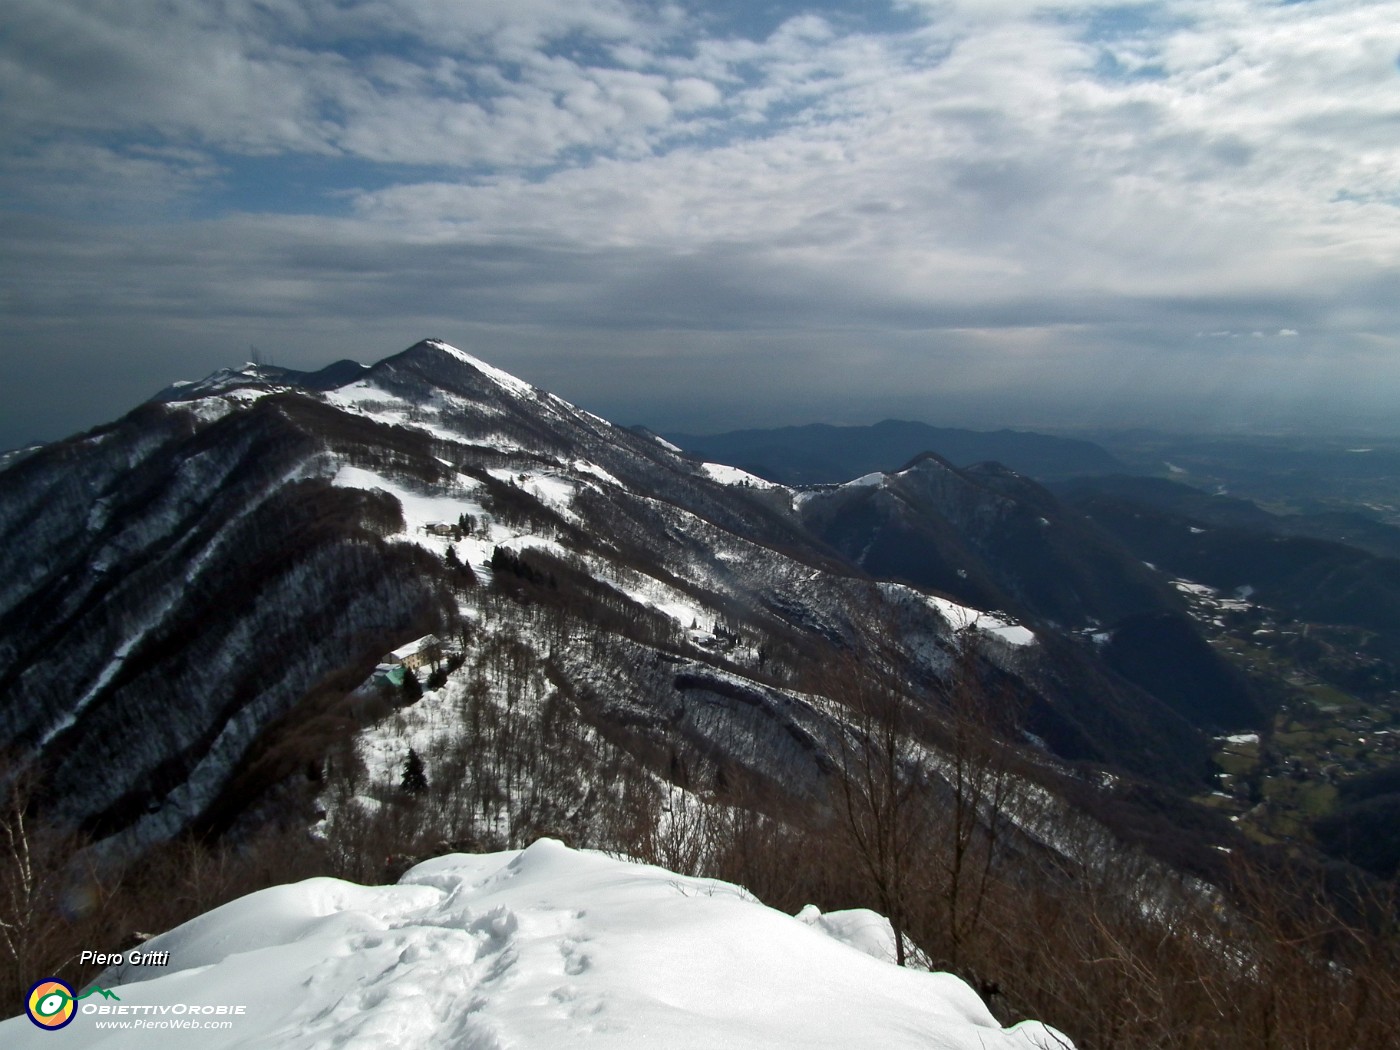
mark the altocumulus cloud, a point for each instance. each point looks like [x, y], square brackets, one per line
[684, 212]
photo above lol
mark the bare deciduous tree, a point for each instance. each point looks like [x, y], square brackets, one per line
[882, 808]
[979, 721]
[33, 858]
[923, 792]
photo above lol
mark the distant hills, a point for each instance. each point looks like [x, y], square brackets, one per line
[1232, 544]
[820, 454]
[1337, 526]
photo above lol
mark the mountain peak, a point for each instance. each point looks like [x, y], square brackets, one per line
[927, 461]
[442, 348]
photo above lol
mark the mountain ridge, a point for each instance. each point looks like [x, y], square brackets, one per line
[822, 453]
[183, 580]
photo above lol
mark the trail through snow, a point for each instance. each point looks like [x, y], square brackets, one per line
[542, 947]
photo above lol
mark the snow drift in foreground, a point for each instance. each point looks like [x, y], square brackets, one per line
[542, 947]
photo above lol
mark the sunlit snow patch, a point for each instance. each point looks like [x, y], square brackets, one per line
[960, 617]
[553, 490]
[363, 398]
[866, 481]
[727, 475]
[1210, 597]
[1241, 738]
[583, 466]
[419, 509]
[1198, 589]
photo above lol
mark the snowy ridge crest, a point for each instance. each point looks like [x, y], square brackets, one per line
[547, 946]
[504, 379]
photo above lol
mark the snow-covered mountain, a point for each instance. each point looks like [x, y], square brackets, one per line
[423, 611]
[193, 599]
[542, 947]
[263, 377]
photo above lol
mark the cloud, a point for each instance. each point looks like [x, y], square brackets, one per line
[83, 178]
[428, 81]
[976, 194]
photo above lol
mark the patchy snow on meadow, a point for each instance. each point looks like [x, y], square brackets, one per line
[419, 508]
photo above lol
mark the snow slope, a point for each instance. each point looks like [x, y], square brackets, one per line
[734, 476]
[961, 617]
[542, 947]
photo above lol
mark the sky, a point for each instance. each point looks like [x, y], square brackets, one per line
[714, 213]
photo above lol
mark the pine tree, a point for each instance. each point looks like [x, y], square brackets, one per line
[415, 778]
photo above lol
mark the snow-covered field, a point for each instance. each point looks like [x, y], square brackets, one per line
[542, 947]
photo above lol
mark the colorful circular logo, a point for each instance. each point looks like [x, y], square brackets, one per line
[51, 1003]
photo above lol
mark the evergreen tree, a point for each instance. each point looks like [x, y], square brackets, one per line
[415, 778]
[412, 688]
